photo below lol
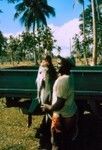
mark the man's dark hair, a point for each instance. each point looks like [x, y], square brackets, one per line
[66, 66]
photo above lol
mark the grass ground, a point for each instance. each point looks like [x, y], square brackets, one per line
[14, 133]
[24, 63]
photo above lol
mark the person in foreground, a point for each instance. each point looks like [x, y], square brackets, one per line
[64, 109]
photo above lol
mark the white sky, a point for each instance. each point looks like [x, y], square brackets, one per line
[64, 34]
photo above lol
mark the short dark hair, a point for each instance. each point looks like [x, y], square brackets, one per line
[66, 66]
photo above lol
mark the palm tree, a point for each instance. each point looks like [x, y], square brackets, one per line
[93, 4]
[12, 1]
[83, 6]
[82, 2]
[33, 13]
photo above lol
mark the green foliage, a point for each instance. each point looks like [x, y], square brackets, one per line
[26, 45]
[45, 40]
[3, 44]
[33, 13]
[82, 45]
[12, 48]
[12, 1]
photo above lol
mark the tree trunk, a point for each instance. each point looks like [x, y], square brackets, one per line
[94, 33]
[85, 53]
[34, 50]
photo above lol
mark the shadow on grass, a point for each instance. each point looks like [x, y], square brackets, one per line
[90, 133]
[89, 136]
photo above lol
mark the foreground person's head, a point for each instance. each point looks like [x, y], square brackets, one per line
[64, 65]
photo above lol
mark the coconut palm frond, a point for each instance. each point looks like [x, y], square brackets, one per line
[1, 11]
[33, 12]
[13, 1]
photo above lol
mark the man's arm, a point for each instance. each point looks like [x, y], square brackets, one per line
[56, 107]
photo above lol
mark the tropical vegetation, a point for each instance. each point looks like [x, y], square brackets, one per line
[37, 37]
[88, 44]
